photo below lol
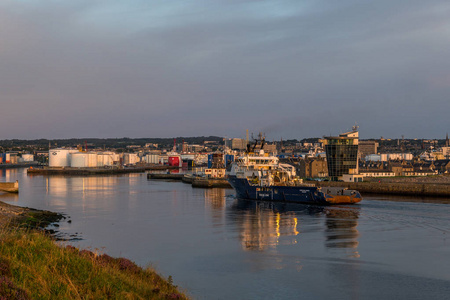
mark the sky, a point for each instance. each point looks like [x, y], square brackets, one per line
[291, 69]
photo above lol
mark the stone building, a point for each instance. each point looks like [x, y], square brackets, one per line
[366, 148]
[396, 167]
[312, 168]
[270, 148]
[238, 144]
[442, 166]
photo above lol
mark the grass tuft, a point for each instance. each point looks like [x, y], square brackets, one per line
[9, 291]
[33, 266]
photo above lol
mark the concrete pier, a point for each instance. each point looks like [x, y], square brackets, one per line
[10, 187]
[199, 182]
[210, 183]
[165, 176]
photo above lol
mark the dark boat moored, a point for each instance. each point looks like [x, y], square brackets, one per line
[263, 177]
[303, 193]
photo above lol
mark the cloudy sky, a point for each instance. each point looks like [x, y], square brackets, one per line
[292, 69]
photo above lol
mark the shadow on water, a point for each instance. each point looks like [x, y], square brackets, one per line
[263, 224]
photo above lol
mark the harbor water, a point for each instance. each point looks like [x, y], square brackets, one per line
[217, 247]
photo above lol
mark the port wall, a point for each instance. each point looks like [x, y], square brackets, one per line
[412, 189]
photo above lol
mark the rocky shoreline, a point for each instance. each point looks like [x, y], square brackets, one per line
[15, 216]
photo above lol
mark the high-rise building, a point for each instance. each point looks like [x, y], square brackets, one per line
[342, 154]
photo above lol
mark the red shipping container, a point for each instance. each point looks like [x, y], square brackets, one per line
[174, 161]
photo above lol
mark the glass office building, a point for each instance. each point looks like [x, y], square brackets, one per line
[342, 154]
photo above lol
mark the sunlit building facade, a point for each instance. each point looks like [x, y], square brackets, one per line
[342, 154]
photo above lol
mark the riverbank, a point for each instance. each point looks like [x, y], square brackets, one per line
[34, 266]
[12, 216]
[430, 186]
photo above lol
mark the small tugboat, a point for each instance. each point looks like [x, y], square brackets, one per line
[262, 177]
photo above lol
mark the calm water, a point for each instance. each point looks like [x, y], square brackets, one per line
[216, 247]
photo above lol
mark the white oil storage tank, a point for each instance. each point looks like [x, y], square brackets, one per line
[92, 159]
[79, 160]
[84, 160]
[60, 157]
[116, 158]
[152, 158]
[130, 158]
[106, 159]
[100, 159]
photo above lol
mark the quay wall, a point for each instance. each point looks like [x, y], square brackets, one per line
[210, 183]
[165, 176]
[10, 187]
[82, 171]
[394, 188]
[19, 165]
[196, 182]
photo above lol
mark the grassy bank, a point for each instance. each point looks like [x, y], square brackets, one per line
[34, 266]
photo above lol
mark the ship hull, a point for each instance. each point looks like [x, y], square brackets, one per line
[295, 194]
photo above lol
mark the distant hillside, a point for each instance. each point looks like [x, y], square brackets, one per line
[107, 143]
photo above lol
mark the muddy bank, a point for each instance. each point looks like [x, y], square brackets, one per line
[15, 216]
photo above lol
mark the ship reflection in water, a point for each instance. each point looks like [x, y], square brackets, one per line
[215, 202]
[267, 225]
[215, 198]
[341, 223]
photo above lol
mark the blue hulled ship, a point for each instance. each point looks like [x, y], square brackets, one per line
[301, 193]
[263, 177]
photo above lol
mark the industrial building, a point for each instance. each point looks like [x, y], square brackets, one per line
[16, 158]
